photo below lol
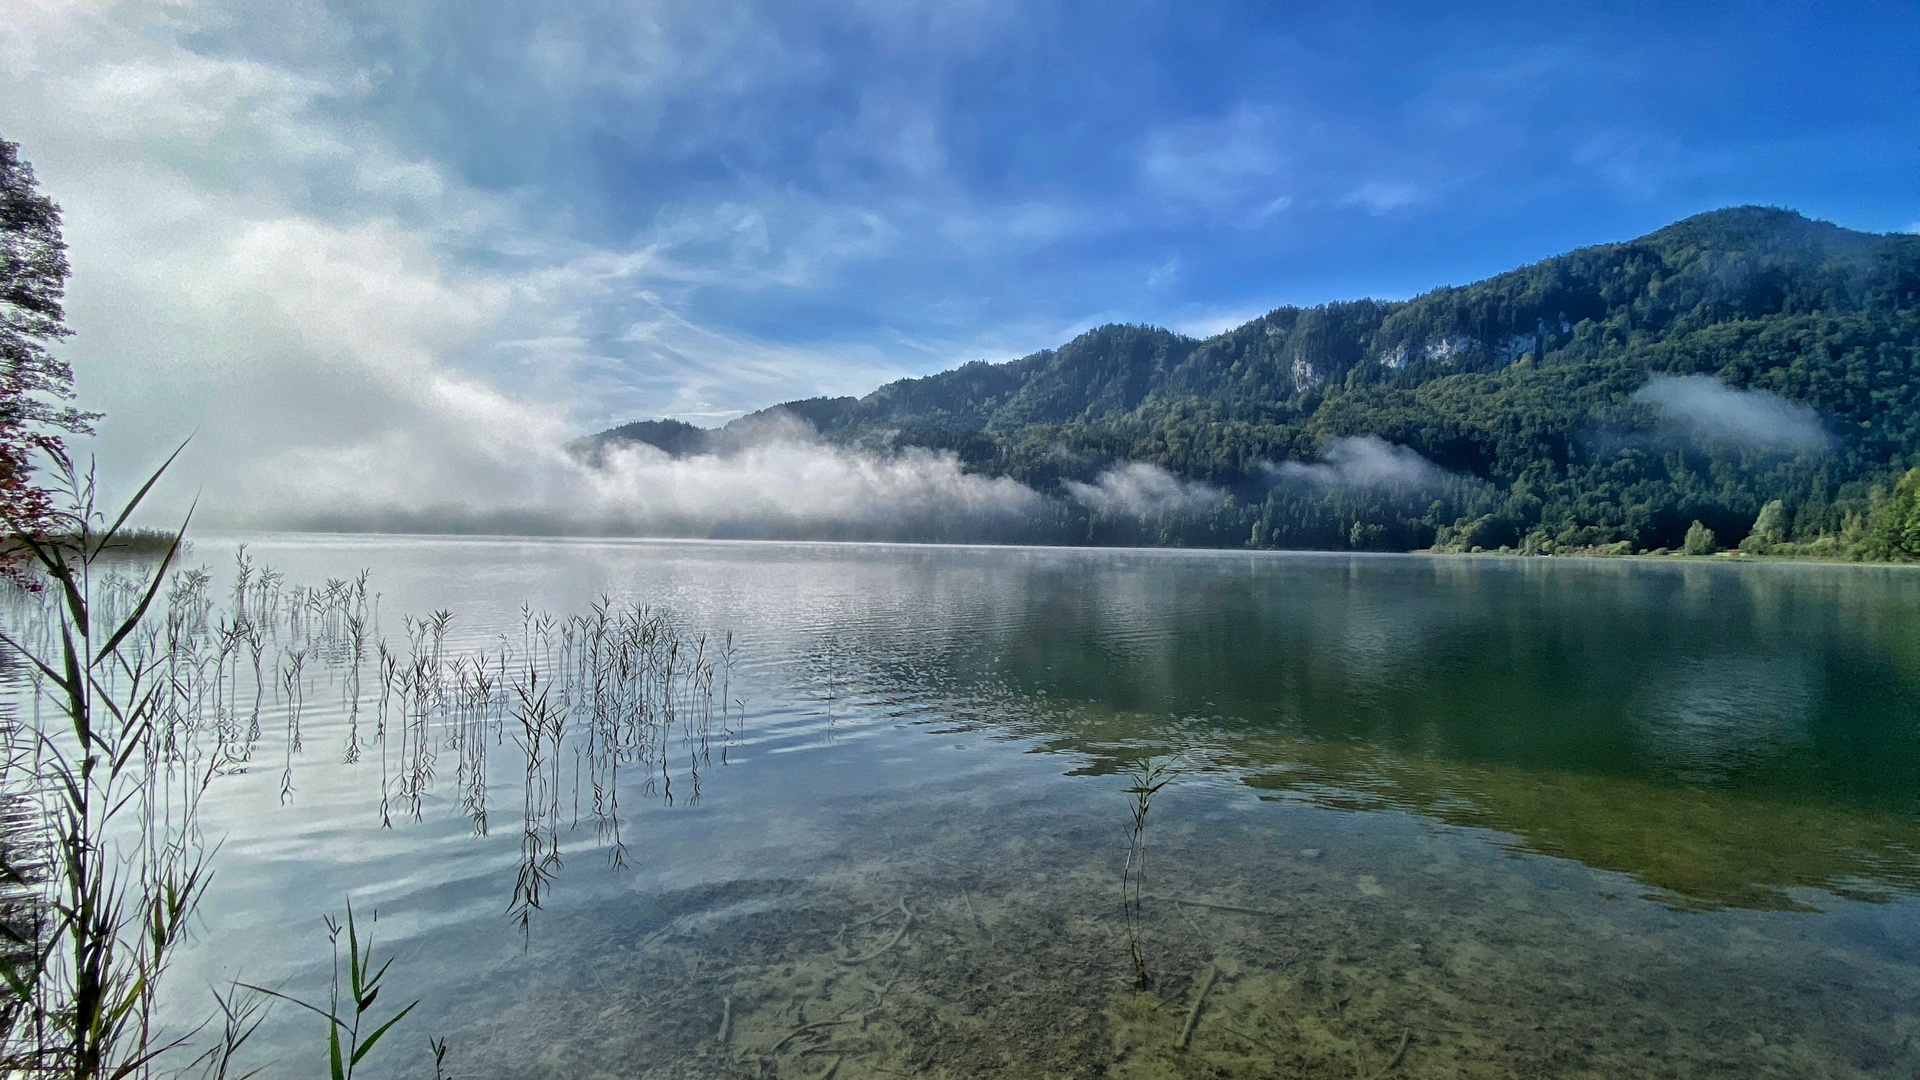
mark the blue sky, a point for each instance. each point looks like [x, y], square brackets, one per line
[921, 179]
[343, 232]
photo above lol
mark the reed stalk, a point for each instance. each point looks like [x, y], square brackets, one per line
[142, 690]
[1148, 776]
[115, 866]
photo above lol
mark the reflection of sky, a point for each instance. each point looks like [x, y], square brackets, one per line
[1708, 715]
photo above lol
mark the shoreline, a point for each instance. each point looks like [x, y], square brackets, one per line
[1731, 555]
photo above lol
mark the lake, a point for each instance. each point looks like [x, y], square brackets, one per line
[1423, 816]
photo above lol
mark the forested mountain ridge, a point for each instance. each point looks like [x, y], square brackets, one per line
[1547, 398]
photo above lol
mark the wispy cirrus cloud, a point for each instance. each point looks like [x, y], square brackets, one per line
[1231, 165]
[1381, 197]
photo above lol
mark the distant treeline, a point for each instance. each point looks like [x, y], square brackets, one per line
[126, 544]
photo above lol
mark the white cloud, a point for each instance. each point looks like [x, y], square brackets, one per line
[345, 324]
[1228, 165]
[786, 482]
[782, 486]
[1380, 197]
[1635, 165]
[1205, 324]
[1704, 407]
[1143, 490]
[358, 339]
[1365, 461]
[1167, 273]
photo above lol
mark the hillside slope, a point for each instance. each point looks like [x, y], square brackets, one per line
[1553, 401]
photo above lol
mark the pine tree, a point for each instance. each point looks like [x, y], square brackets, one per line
[36, 387]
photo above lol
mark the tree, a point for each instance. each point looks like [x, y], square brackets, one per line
[1769, 528]
[1893, 529]
[1699, 540]
[35, 385]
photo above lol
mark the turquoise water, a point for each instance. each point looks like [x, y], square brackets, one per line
[1434, 817]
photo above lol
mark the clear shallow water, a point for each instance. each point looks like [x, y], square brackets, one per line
[1456, 817]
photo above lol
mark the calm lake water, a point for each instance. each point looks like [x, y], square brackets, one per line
[1435, 817]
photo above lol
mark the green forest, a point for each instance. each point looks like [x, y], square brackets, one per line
[1744, 377]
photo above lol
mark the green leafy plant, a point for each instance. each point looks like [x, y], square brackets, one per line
[347, 1015]
[1700, 540]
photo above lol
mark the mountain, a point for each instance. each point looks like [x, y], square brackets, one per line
[1609, 396]
[676, 437]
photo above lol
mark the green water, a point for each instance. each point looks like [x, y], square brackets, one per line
[1438, 817]
[1728, 734]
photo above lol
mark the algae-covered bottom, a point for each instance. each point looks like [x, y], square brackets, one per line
[990, 949]
[1434, 818]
